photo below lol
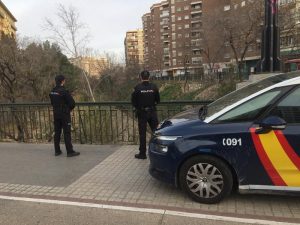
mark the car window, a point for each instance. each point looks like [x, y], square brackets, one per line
[250, 110]
[244, 92]
[289, 108]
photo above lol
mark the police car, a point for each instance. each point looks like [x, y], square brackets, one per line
[249, 140]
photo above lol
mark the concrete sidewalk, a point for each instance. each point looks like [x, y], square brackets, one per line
[111, 175]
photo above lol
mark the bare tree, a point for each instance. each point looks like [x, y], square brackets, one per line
[190, 50]
[212, 43]
[10, 74]
[289, 27]
[157, 61]
[186, 51]
[11, 80]
[71, 35]
[242, 29]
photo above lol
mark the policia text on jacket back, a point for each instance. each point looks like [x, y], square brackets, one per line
[144, 100]
[63, 103]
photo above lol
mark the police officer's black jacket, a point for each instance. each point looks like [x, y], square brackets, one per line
[61, 100]
[145, 95]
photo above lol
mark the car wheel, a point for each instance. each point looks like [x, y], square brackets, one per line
[206, 179]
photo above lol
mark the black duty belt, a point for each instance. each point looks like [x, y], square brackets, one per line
[148, 109]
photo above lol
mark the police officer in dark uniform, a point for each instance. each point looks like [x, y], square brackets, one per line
[144, 99]
[63, 103]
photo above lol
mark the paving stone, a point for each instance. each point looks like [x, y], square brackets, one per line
[121, 178]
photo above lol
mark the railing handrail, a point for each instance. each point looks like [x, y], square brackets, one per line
[109, 103]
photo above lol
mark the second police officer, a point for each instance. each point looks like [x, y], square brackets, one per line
[144, 99]
[63, 103]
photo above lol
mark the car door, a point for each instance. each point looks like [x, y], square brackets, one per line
[238, 138]
[281, 148]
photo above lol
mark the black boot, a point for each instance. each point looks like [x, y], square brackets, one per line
[73, 154]
[58, 153]
[140, 156]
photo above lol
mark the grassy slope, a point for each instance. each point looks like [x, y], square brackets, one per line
[209, 92]
[172, 91]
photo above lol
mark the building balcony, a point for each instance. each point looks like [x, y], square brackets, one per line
[165, 23]
[196, 5]
[196, 12]
[196, 36]
[196, 21]
[164, 5]
[197, 30]
[196, 46]
[196, 17]
[164, 15]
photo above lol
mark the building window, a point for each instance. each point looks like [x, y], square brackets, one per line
[173, 19]
[174, 62]
[173, 9]
[173, 36]
[226, 55]
[226, 7]
[196, 60]
[173, 27]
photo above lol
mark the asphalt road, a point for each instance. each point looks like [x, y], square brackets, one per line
[26, 213]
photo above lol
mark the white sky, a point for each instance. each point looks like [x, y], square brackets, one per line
[107, 20]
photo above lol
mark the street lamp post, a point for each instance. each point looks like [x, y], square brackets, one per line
[270, 50]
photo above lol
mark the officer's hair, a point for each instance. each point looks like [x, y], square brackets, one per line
[59, 79]
[145, 75]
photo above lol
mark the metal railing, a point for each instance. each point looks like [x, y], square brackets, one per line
[92, 123]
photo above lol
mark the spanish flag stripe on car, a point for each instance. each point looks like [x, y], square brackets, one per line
[278, 158]
[288, 149]
[270, 169]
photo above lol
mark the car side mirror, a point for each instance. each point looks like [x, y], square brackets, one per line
[202, 113]
[271, 123]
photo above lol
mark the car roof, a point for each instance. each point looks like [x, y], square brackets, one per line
[293, 81]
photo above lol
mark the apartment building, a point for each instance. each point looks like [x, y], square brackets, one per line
[234, 28]
[93, 66]
[156, 38]
[211, 36]
[289, 20]
[215, 53]
[134, 47]
[172, 33]
[7, 22]
[238, 12]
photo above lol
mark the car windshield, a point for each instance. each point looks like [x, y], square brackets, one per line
[245, 92]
